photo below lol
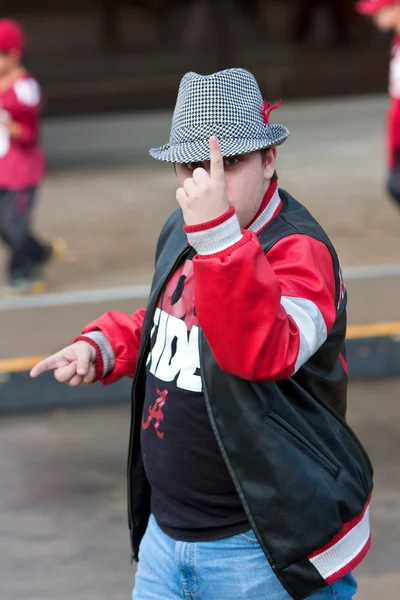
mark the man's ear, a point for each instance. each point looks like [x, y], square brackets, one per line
[269, 163]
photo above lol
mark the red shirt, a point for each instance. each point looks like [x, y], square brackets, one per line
[22, 162]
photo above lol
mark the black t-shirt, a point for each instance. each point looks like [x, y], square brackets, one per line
[193, 497]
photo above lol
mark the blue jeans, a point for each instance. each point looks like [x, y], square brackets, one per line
[233, 568]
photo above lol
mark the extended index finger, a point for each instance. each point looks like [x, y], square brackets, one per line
[48, 364]
[216, 161]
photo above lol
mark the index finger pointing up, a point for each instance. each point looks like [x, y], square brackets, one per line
[216, 161]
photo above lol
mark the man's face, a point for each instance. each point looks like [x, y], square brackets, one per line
[388, 18]
[247, 179]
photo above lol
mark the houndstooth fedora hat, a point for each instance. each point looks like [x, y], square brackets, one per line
[228, 104]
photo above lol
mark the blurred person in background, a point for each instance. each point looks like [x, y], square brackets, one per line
[306, 12]
[386, 16]
[22, 166]
[245, 481]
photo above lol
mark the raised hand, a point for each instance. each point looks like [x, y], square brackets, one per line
[73, 365]
[203, 196]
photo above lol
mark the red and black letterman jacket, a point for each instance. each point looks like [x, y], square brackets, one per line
[271, 306]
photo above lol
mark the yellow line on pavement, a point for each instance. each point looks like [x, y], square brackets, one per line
[384, 329]
[16, 365]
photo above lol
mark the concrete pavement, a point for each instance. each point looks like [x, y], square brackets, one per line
[63, 525]
[63, 532]
[111, 212]
[110, 216]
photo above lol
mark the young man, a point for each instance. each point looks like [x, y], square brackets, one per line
[386, 16]
[245, 481]
[22, 164]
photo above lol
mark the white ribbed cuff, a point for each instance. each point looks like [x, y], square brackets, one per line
[216, 239]
[107, 352]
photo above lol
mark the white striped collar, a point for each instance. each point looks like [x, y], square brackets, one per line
[265, 217]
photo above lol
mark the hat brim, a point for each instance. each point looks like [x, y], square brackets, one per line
[199, 150]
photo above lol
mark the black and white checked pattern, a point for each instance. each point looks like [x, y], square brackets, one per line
[227, 104]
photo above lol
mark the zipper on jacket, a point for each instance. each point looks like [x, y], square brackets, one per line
[133, 404]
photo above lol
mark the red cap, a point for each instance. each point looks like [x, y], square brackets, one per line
[12, 36]
[371, 7]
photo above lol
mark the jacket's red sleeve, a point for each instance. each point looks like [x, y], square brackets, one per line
[123, 333]
[265, 315]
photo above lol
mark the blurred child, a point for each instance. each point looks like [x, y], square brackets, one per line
[22, 165]
[386, 16]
